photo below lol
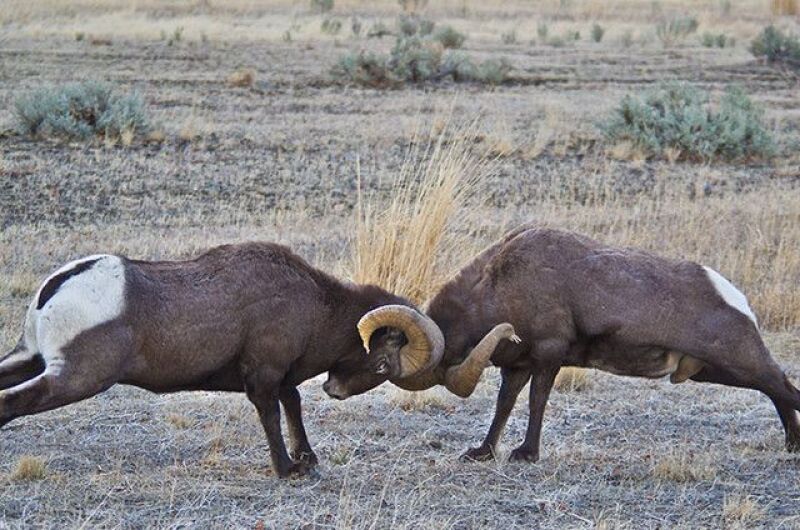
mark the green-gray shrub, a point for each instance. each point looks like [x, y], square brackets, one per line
[355, 26]
[449, 37]
[366, 69]
[331, 26]
[412, 25]
[542, 30]
[597, 32]
[776, 46]
[679, 117]
[462, 69]
[416, 60]
[378, 30]
[412, 6]
[509, 37]
[80, 111]
[322, 6]
[493, 71]
[671, 31]
[709, 40]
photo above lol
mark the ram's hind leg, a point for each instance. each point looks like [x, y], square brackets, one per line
[19, 366]
[788, 415]
[89, 365]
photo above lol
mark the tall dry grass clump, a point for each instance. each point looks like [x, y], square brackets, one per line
[412, 244]
[29, 468]
[784, 7]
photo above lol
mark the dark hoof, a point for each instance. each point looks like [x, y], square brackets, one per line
[521, 454]
[297, 470]
[793, 445]
[478, 454]
[306, 457]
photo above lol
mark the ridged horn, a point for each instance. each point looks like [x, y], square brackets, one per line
[425, 341]
[462, 379]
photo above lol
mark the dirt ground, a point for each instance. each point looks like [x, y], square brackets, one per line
[277, 161]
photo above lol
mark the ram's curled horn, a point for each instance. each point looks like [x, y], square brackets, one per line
[425, 341]
[462, 379]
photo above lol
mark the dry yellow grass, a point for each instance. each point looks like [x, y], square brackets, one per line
[741, 511]
[435, 398]
[571, 379]
[269, 20]
[29, 468]
[680, 466]
[407, 246]
[242, 78]
[180, 422]
[21, 284]
[784, 7]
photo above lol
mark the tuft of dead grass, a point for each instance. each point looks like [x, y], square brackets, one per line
[22, 284]
[784, 7]
[243, 78]
[409, 246]
[741, 511]
[179, 422]
[29, 468]
[571, 379]
[434, 398]
[680, 466]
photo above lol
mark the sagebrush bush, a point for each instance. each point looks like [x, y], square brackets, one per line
[449, 37]
[679, 118]
[597, 32]
[542, 30]
[509, 37]
[709, 40]
[463, 69]
[81, 111]
[776, 46]
[417, 59]
[672, 31]
[367, 69]
[412, 25]
[322, 6]
[331, 26]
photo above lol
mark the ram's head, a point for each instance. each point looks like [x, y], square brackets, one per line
[406, 347]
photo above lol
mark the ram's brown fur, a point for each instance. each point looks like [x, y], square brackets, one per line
[577, 302]
[251, 317]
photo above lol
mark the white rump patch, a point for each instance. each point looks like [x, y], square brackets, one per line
[732, 296]
[83, 301]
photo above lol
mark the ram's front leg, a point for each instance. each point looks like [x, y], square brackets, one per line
[541, 384]
[263, 391]
[513, 381]
[301, 448]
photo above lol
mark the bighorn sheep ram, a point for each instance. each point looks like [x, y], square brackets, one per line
[251, 317]
[576, 302]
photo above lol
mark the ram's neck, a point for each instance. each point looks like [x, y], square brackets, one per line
[462, 314]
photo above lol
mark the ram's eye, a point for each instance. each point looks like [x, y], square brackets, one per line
[383, 368]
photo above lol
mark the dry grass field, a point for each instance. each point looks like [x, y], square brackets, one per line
[254, 139]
